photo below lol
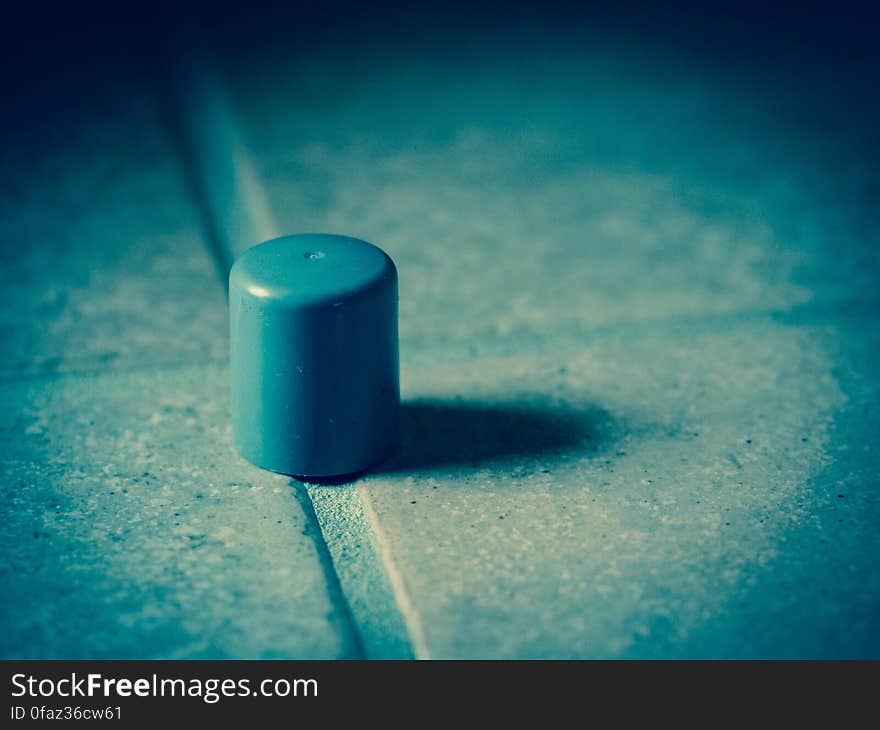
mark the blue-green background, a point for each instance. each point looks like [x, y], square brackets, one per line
[637, 250]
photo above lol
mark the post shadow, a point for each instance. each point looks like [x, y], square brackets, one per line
[459, 433]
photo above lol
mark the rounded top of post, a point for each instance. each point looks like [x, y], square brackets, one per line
[310, 269]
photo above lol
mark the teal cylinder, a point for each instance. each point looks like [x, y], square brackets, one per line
[314, 355]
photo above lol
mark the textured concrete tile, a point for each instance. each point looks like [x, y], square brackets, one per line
[103, 265]
[584, 188]
[690, 491]
[635, 395]
[132, 530]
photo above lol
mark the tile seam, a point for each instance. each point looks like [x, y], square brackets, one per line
[221, 252]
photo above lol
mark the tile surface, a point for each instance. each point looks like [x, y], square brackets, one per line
[683, 492]
[579, 189]
[130, 527]
[103, 263]
[133, 530]
[638, 298]
[636, 302]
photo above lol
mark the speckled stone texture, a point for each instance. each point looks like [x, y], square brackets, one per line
[639, 362]
[637, 307]
[130, 528]
[585, 188]
[133, 530]
[675, 492]
[103, 262]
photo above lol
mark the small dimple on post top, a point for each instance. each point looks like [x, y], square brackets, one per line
[282, 270]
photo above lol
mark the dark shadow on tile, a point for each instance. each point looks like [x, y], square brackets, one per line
[334, 481]
[461, 433]
[437, 434]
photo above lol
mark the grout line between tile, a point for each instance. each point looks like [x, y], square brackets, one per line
[383, 615]
[360, 574]
[410, 615]
[334, 587]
